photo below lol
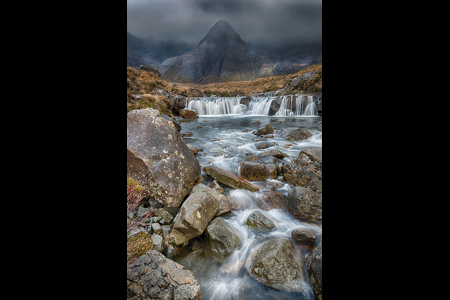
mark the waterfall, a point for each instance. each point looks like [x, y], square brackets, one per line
[216, 106]
[260, 106]
[303, 107]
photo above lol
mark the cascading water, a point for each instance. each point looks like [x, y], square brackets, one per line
[260, 106]
[304, 106]
[216, 106]
[300, 106]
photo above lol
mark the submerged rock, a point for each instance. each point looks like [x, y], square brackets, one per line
[158, 157]
[153, 276]
[259, 220]
[273, 200]
[221, 238]
[314, 270]
[304, 204]
[229, 179]
[279, 264]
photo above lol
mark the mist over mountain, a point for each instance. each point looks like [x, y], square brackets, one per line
[222, 55]
[152, 52]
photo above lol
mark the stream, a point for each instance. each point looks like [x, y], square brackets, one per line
[224, 141]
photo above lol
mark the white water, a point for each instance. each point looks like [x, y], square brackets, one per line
[259, 106]
[304, 106]
[225, 144]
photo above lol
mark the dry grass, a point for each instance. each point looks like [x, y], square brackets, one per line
[247, 87]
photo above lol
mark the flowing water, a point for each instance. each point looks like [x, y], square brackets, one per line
[224, 141]
[302, 105]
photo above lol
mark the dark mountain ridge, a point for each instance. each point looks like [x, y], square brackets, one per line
[223, 56]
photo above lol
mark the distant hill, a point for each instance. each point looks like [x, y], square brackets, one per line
[222, 56]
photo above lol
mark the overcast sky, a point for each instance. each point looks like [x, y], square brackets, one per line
[271, 21]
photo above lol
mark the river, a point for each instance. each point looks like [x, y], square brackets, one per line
[225, 140]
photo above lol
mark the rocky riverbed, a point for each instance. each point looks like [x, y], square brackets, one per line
[236, 202]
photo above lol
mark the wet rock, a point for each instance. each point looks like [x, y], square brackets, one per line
[275, 153]
[314, 270]
[158, 242]
[304, 204]
[229, 179]
[140, 243]
[294, 134]
[193, 217]
[221, 238]
[186, 134]
[305, 170]
[304, 236]
[260, 221]
[222, 200]
[254, 171]
[153, 276]
[263, 145]
[267, 136]
[167, 176]
[278, 263]
[192, 148]
[256, 122]
[188, 113]
[273, 200]
[264, 129]
[245, 101]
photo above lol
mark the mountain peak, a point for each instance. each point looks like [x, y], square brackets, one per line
[222, 31]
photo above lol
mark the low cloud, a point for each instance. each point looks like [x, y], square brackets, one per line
[257, 21]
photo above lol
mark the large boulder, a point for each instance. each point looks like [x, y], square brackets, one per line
[314, 270]
[158, 157]
[304, 204]
[305, 170]
[264, 129]
[275, 153]
[278, 263]
[229, 179]
[193, 217]
[221, 238]
[188, 113]
[153, 276]
[222, 200]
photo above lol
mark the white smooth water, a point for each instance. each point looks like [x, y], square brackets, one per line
[259, 106]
